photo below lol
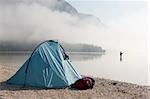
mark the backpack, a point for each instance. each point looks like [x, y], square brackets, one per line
[84, 83]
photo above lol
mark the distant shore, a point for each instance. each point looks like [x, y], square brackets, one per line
[29, 52]
[103, 89]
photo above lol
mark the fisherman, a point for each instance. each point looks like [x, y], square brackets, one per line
[121, 55]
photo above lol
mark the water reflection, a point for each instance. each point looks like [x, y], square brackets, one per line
[132, 69]
[18, 58]
[13, 59]
[84, 56]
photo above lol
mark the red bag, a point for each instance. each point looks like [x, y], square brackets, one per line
[84, 83]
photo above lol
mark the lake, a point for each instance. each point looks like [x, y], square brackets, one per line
[133, 68]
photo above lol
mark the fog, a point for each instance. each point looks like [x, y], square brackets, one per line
[34, 20]
[129, 32]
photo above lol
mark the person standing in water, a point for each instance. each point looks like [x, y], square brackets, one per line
[121, 55]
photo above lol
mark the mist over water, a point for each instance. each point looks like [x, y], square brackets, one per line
[38, 20]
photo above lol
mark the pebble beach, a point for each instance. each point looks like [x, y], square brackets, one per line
[103, 89]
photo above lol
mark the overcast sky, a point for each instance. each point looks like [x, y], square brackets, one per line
[126, 21]
[108, 10]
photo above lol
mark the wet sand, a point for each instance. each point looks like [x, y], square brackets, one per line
[103, 89]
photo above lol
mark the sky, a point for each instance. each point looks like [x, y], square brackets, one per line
[126, 21]
[108, 10]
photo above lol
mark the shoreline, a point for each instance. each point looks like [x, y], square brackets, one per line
[103, 89]
[69, 52]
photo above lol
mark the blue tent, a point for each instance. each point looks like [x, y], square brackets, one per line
[47, 67]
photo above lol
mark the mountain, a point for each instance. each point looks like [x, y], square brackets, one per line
[63, 6]
[81, 48]
[17, 46]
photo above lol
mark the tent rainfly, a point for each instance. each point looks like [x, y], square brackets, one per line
[47, 67]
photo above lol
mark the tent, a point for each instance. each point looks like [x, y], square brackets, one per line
[47, 67]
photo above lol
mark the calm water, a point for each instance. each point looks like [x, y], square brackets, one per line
[133, 68]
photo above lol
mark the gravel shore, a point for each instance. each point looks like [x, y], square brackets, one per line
[103, 89]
